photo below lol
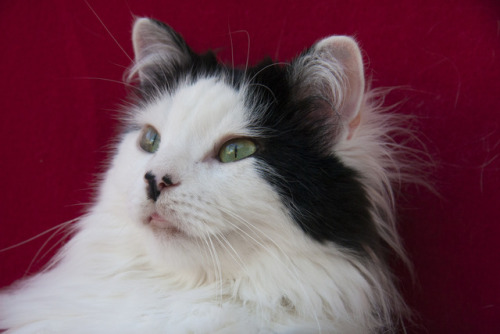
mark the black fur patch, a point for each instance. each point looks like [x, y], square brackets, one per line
[325, 197]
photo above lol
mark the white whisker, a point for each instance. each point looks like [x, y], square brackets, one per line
[57, 227]
[232, 54]
[109, 80]
[289, 265]
[220, 281]
[265, 68]
[110, 34]
[43, 246]
[215, 263]
[231, 251]
[267, 88]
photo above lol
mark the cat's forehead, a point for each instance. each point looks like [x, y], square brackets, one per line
[206, 109]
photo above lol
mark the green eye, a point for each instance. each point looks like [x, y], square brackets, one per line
[237, 149]
[150, 139]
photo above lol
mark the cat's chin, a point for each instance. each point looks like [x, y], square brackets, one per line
[159, 224]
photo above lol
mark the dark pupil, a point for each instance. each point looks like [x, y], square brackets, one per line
[235, 147]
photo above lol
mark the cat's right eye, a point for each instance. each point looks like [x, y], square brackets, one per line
[150, 139]
[237, 149]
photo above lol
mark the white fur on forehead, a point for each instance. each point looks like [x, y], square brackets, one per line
[206, 109]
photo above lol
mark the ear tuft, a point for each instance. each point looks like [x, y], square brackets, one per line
[156, 43]
[347, 54]
[333, 69]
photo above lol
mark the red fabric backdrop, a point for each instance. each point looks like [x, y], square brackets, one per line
[60, 67]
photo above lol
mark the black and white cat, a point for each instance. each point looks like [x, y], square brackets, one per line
[251, 200]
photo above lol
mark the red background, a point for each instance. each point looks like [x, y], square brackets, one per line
[58, 115]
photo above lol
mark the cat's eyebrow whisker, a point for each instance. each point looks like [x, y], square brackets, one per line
[266, 67]
[267, 88]
[248, 50]
[123, 67]
[107, 30]
[248, 47]
[82, 204]
[110, 80]
[232, 49]
[232, 53]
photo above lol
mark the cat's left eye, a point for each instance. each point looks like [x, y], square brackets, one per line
[237, 149]
[150, 139]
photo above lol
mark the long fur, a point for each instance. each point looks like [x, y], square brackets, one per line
[246, 266]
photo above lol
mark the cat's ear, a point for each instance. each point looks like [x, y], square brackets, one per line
[333, 68]
[156, 44]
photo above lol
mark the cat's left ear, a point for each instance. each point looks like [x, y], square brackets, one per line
[157, 45]
[333, 67]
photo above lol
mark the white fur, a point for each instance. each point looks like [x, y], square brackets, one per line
[240, 265]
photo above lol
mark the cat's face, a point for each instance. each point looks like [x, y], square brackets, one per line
[223, 163]
[208, 195]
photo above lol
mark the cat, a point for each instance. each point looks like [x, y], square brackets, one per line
[254, 200]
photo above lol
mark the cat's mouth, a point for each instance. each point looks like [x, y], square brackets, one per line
[158, 222]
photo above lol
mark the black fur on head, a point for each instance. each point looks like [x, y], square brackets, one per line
[325, 197]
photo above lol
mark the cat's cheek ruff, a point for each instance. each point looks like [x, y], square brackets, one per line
[381, 163]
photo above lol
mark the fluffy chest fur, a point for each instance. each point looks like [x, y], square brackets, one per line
[238, 201]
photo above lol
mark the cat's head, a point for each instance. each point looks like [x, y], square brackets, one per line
[236, 161]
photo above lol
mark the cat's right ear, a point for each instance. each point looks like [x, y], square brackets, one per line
[156, 45]
[333, 70]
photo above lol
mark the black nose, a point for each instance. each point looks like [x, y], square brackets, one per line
[166, 181]
[153, 189]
